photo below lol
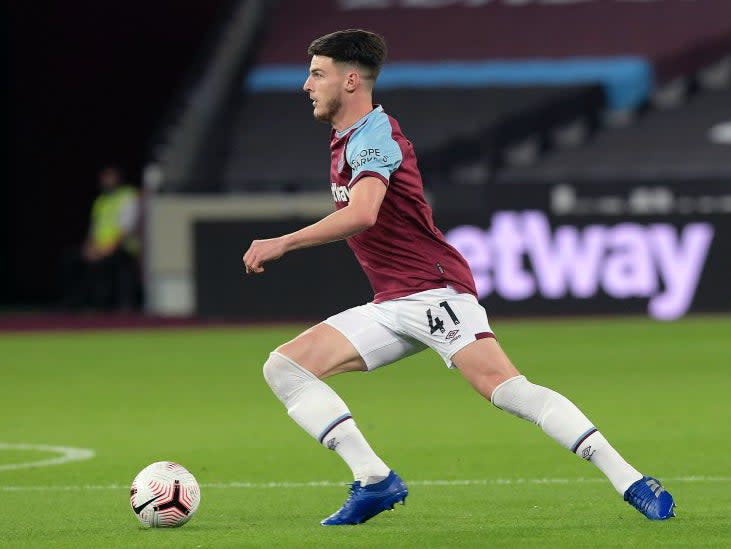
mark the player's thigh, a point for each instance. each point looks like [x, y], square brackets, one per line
[369, 330]
[356, 339]
[324, 351]
[485, 365]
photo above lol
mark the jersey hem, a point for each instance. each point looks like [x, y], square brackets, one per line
[396, 294]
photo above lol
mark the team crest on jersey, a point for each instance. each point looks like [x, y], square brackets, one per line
[340, 193]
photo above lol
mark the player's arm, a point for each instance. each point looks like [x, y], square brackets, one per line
[360, 214]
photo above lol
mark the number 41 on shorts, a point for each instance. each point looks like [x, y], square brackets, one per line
[436, 323]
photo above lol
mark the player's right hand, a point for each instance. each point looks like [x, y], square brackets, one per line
[261, 251]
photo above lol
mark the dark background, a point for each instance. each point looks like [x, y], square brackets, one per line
[87, 83]
[303, 286]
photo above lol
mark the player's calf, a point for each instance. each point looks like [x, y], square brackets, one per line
[566, 424]
[322, 413]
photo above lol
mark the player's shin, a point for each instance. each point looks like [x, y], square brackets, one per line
[566, 424]
[323, 414]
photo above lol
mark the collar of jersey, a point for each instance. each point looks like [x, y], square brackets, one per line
[376, 108]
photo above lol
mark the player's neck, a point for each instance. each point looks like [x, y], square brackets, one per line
[352, 114]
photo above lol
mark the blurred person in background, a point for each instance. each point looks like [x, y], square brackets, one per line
[103, 273]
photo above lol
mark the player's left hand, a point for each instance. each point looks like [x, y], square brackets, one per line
[262, 251]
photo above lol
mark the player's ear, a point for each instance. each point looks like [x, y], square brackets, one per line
[352, 80]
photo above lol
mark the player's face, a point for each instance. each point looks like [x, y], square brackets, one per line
[325, 85]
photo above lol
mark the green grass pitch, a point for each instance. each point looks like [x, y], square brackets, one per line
[661, 392]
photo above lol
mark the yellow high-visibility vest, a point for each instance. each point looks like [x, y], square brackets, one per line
[106, 216]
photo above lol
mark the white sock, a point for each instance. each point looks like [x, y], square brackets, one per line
[323, 414]
[350, 444]
[563, 422]
[596, 449]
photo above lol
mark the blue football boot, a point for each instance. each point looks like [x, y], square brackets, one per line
[366, 502]
[652, 500]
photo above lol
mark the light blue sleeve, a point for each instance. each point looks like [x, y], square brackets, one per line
[372, 151]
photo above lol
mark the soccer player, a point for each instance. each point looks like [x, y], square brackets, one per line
[424, 296]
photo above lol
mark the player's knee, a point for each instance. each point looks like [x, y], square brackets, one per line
[489, 384]
[522, 398]
[485, 365]
[270, 370]
[284, 375]
[275, 370]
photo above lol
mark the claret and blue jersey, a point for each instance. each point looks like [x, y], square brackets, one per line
[404, 252]
[371, 148]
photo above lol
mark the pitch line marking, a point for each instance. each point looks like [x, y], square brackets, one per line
[68, 455]
[331, 484]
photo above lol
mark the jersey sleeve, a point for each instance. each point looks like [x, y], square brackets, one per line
[373, 152]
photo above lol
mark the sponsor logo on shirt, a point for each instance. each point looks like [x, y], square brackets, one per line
[340, 192]
[365, 156]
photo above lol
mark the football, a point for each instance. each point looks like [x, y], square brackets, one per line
[164, 495]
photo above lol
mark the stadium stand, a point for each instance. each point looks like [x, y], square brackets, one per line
[186, 146]
[448, 127]
[667, 145]
[630, 47]
[499, 84]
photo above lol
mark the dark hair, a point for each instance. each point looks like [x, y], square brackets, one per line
[359, 47]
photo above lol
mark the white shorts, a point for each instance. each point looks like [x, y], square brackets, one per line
[441, 319]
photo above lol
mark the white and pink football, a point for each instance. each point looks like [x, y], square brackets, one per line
[164, 495]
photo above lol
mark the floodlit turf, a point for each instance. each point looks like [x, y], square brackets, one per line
[659, 392]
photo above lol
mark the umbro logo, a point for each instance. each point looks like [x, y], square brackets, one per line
[451, 334]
